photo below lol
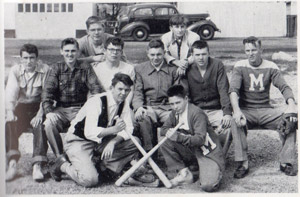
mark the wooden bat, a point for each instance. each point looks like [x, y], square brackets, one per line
[155, 168]
[130, 172]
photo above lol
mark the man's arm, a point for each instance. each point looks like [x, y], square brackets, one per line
[11, 94]
[92, 81]
[138, 96]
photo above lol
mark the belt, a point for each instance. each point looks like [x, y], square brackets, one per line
[70, 104]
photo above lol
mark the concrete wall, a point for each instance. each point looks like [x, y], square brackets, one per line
[9, 15]
[240, 19]
[51, 25]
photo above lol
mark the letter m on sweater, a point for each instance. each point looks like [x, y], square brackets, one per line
[256, 81]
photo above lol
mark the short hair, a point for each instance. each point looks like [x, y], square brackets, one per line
[120, 77]
[114, 41]
[94, 19]
[253, 40]
[69, 41]
[177, 90]
[29, 48]
[199, 44]
[155, 43]
[178, 20]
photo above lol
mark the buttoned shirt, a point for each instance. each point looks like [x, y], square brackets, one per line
[151, 86]
[171, 47]
[91, 111]
[20, 89]
[183, 117]
[69, 87]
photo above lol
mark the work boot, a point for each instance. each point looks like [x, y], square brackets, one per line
[55, 170]
[12, 170]
[37, 173]
[183, 177]
[288, 169]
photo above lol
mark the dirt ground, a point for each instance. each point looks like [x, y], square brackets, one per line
[264, 145]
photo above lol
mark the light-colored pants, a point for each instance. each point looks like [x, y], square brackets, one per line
[263, 118]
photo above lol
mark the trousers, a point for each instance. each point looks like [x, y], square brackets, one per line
[263, 118]
[13, 130]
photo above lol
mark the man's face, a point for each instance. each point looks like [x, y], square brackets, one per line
[253, 54]
[201, 56]
[178, 104]
[178, 30]
[70, 53]
[29, 60]
[96, 31]
[120, 91]
[156, 56]
[113, 53]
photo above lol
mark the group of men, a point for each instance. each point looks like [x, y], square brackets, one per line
[101, 100]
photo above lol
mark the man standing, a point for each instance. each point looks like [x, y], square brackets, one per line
[177, 43]
[250, 99]
[67, 85]
[150, 101]
[195, 139]
[103, 119]
[23, 96]
[91, 46]
[208, 86]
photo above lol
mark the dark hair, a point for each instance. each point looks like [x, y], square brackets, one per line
[199, 44]
[69, 41]
[178, 20]
[120, 77]
[94, 19]
[114, 41]
[156, 43]
[29, 48]
[253, 40]
[176, 90]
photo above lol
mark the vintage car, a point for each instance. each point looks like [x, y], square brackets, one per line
[140, 20]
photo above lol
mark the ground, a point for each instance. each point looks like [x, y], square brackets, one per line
[264, 176]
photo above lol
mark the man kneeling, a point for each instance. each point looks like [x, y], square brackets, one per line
[101, 122]
[195, 139]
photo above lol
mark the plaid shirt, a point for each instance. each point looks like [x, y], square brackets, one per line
[69, 88]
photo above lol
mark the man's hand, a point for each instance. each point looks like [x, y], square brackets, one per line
[99, 58]
[53, 117]
[108, 150]
[226, 121]
[140, 114]
[180, 71]
[120, 125]
[172, 134]
[36, 121]
[239, 118]
[10, 116]
[183, 64]
[292, 107]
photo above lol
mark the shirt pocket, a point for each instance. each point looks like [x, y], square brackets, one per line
[63, 85]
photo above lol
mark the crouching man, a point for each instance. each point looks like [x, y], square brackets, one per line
[101, 122]
[195, 139]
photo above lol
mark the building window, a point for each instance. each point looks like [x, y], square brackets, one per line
[42, 7]
[20, 7]
[27, 7]
[70, 7]
[49, 7]
[34, 7]
[56, 7]
[63, 7]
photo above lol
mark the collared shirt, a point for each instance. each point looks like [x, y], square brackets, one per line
[183, 117]
[22, 90]
[91, 111]
[171, 47]
[105, 73]
[69, 87]
[159, 67]
[151, 86]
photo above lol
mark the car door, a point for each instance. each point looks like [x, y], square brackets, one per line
[145, 15]
[162, 15]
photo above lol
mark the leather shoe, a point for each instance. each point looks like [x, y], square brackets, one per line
[37, 173]
[288, 169]
[55, 170]
[240, 172]
[12, 170]
[184, 177]
[145, 178]
[132, 182]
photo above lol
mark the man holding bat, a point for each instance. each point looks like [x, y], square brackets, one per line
[103, 121]
[195, 139]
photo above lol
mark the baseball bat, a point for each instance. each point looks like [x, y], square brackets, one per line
[155, 168]
[130, 172]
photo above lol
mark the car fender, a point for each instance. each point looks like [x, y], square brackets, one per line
[195, 26]
[128, 29]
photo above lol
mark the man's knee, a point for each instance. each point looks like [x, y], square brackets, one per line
[88, 179]
[208, 187]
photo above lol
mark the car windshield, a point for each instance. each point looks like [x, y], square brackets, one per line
[123, 12]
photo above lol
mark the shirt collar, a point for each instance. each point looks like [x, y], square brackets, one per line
[163, 67]
[39, 68]
[76, 66]
[110, 99]
[173, 40]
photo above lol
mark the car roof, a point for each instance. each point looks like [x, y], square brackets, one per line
[145, 5]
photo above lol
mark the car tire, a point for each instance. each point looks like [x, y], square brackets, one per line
[206, 32]
[140, 34]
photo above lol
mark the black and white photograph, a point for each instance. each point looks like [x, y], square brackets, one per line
[149, 97]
